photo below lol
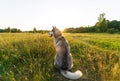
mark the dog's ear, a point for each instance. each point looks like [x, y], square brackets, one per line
[54, 27]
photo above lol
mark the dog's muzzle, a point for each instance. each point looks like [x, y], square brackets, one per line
[51, 34]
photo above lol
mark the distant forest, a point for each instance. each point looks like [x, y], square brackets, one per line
[15, 30]
[102, 26]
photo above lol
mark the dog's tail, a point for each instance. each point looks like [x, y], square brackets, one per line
[70, 75]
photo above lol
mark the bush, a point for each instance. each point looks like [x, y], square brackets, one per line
[112, 30]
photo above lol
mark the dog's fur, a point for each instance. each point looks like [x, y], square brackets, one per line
[63, 59]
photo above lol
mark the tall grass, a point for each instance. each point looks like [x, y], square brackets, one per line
[29, 57]
[97, 63]
[26, 57]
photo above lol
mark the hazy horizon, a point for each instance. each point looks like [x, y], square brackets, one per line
[42, 14]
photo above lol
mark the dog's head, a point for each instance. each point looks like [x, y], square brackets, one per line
[55, 32]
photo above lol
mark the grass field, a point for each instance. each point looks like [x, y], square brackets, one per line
[29, 57]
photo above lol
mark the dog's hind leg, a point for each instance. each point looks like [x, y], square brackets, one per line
[70, 61]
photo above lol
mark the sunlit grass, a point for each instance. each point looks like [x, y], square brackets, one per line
[29, 57]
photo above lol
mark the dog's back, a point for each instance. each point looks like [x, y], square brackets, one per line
[63, 53]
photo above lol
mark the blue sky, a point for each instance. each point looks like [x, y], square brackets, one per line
[42, 14]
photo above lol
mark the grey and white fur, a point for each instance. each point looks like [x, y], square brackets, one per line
[63, 58]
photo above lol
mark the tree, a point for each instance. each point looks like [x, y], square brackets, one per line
[7, 30]
[112, 30]
[101, 25]
[15, 30]
[101, 17]
[34, 30]
[114, 24]
[1, 30]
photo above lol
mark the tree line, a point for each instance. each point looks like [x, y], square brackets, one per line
[15, 30]
[10, 30]
[102, 26]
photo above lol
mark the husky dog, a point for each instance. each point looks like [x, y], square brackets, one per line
[63, 59]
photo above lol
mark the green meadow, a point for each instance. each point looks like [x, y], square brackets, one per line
[29, 57]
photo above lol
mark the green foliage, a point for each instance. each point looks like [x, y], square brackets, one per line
[15, 30]
[34, 30]
[101, 17]
[112, 30]
[101, 26]
[10, 30]
[114, 24]
[29, 57]
[80, 30]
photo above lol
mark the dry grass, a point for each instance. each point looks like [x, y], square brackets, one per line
[29, 57]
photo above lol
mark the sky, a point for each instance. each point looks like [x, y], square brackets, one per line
[42, 14]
